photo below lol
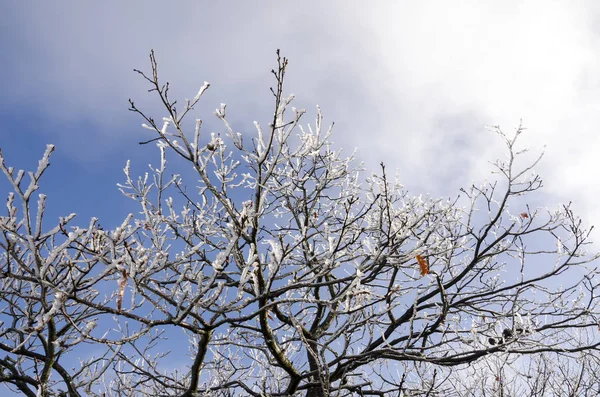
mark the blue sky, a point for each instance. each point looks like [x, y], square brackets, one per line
[412, 85]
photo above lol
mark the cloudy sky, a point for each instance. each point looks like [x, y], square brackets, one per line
[410, 84]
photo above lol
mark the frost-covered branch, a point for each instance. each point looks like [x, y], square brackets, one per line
[273, 265]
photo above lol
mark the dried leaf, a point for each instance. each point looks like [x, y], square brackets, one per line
[122, 284]
[423, 265]
[524, 215]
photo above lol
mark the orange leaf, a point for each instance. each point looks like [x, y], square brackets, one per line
[524, 215]
[423, 265]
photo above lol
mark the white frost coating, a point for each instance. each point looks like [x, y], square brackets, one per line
[175, 143]
[260, 141]
[59, 250]
[44, 162]
[31, 188]
[255, 279]
[275, 250]
[247, 212]
[201, 91]
[221, 111]
[89, 327]
[117, 233]
[332, 245]
[244, 277]
[167, 122]
[57, 343]
[40, 214]
[42, 320]
[222, 256]
[248, 268]
[519, 318]
[215, 141]
[304, 184]
[559, 246]
[200, 278]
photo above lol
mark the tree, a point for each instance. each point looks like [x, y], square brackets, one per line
[287, 271]
[544, 374]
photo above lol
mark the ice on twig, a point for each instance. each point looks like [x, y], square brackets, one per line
[201, 91]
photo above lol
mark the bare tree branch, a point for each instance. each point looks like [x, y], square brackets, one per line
[280, 269]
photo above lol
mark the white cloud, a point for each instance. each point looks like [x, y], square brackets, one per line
[470, 63]
[410, 84]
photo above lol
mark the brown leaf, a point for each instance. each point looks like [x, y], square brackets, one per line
[524, 215]
[423, 265]
[122, 284]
